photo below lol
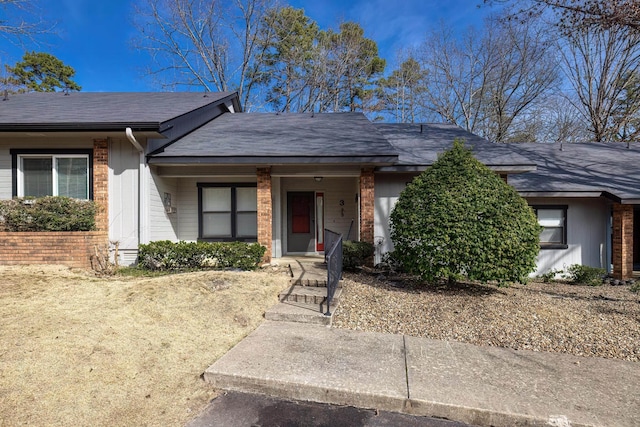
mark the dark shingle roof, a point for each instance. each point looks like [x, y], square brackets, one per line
[609, 168]
[282, 138]
[420, 144]
[88, 110]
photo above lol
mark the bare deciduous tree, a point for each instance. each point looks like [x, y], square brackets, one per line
[521, 70]
[208, 44]
[486, 82]
[457, 78]
[571, 15]
[20, 21]
[601, 66]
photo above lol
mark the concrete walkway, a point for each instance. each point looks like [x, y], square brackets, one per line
[476, 385]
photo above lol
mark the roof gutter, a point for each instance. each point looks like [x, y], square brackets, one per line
[78, 127]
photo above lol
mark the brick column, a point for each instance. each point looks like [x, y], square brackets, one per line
[101, 183]
[265, 211]
[622, 251]
[367, 205]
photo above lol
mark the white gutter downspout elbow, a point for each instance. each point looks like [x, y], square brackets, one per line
[132, 139]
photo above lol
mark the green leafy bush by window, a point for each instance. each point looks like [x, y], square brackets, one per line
[175, 256]
[51, 213]
[460, 219]
[355, 254]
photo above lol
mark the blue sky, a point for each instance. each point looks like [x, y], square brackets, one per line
[94, 37]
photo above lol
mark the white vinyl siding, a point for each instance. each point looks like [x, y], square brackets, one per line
[587, 224]
[163, 225]
[5, 174]
[387, 190]
[124, 160]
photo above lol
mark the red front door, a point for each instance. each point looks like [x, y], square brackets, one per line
[300, 222]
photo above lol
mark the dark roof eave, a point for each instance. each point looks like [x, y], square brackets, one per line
[80, 127]
[574, 194]
[269, 160]
[496, 168]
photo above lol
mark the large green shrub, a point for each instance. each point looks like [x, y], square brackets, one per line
[459, 219]
[52, 213]
[175, 256]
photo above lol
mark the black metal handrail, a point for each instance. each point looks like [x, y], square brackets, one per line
[334, 269]
[329, 239]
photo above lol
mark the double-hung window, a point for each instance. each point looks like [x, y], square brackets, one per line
[39, 173]
[228, 212]
[553, 220]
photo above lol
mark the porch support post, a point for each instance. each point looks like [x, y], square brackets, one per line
[367, 205]
[265, 211]
[622, 251]
[101, 183]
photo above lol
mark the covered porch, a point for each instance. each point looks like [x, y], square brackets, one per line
[295, 207]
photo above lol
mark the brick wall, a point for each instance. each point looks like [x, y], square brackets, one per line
[70, 248]
[367, 205]
[101, 182]
[265, 210]
[622, 255]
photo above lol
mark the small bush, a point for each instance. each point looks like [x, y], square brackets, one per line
[550, 275]
[585, 275]
[52, 213]
[165, 255]
[635, 287]
[355, 254]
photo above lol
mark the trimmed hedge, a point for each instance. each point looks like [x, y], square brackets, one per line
[171, 256]
[51, 213]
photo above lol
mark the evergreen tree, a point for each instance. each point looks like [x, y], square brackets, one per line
[42, 72]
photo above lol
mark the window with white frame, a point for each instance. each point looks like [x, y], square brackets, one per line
[553, 220]
[228, 212]
[39, 174]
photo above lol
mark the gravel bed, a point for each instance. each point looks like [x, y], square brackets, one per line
[602, 321]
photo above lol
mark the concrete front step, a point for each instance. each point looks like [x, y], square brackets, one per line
[309, 295]
[300, 313]
[319, 283]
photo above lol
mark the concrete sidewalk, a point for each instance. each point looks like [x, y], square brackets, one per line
[476, 385]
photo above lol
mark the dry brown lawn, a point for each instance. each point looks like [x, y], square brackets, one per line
[82, 350]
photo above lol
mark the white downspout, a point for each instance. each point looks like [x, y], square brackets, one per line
[143, 190]
[132, 139]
